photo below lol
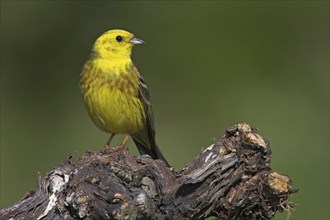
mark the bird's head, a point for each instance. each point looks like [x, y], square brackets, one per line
[115, 44]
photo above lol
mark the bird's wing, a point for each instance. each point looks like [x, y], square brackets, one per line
[149, 146]
[145, 99]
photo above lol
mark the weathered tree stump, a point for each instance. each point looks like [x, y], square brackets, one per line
[231, 179]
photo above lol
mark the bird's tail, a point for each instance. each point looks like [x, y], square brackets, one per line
[154, 151]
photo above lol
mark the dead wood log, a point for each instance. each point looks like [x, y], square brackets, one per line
[231, 179]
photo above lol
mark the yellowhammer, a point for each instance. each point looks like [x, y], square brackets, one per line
[115, 94]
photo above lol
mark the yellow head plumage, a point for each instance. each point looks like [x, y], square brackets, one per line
[115, 44]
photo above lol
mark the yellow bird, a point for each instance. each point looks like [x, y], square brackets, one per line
[115, 94]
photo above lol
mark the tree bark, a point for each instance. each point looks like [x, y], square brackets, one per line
[231, 179]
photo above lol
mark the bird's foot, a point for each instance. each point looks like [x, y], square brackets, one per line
[123, 144]
[105, 147]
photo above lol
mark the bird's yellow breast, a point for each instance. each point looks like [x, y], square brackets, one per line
[110, 93]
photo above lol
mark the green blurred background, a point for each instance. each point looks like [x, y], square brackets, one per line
[208, 65]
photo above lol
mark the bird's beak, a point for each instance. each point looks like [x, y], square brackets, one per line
[136, 41]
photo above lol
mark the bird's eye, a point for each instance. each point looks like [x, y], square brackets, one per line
[119, 38]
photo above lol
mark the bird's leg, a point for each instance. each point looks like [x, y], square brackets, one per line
[109, 141]
[124, 141]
